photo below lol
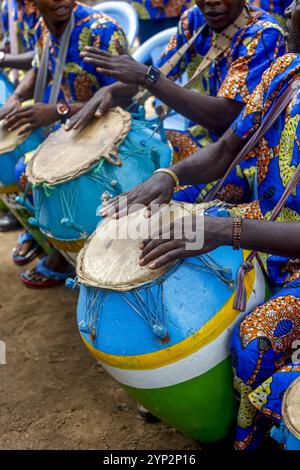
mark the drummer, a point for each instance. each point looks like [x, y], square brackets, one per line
[275, 7]
[77, 84]
[25, 16]
[262, 343]
[267, 398]
[221, 92]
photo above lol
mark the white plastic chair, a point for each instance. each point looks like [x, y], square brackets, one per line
[125, 15]
[150, 51]
[153, 47]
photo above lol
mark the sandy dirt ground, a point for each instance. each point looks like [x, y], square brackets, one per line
[52, 393]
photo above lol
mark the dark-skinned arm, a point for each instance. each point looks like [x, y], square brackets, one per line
[276, 238]
[193, 105]
[26, 86]
[117, 94]
[206, 165]
[18, 61]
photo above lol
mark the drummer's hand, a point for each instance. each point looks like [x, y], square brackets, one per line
[168, 246]
[13, 102]
[31, 117]
[121, 67]
[155, 191]
[101, 102]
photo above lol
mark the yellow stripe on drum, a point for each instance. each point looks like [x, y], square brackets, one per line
[72, 246]
[205, 335]
[13, 188]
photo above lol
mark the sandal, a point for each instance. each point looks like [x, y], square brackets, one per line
[34, 251]
[53, 278]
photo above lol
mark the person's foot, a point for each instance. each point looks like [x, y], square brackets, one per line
[24, 247]
[8, 223]
[49, 272]
[26, 250]
[146, 416]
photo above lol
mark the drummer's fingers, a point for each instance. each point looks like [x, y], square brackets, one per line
[108, 205]
[99, 61]
[19, 111]
[103, 107]
[154, 206]
[169, 257]
[79, 121]
[162, 250]
[20, 123]
[115, 207]
[13, 117]
[164, 233]
[148, 245]
[98, 52]
[109, 72]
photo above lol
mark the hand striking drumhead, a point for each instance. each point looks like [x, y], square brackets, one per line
[110, 257]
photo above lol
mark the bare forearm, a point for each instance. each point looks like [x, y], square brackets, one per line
[276, 238]
[122, 92]
[26, 87]
[199, 108]
[18, 61]
[210, 163]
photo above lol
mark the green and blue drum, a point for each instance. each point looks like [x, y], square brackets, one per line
[164, 334]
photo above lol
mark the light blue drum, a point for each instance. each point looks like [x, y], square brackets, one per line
[164, 334]
[73, 172]
[12, 148]
[6, 88]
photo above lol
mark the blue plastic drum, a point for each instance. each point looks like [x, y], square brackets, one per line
[72, 173]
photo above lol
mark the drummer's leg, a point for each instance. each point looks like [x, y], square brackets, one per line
[260, 346]
[267, 398]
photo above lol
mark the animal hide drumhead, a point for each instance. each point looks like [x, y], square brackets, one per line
[10, 140]
[66, 155]
[110, 257]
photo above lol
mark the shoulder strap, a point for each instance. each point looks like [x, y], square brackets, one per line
[166, 68]
[13, 39]
[278, 106]
[240, 297]
[42, 75]
[219, 47]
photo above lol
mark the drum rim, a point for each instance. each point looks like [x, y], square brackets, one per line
[285, 414]
[87, 167]
[20, 139]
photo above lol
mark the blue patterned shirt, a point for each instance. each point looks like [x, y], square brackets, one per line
[80, 80]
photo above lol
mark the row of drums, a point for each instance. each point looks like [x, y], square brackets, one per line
[164, 335]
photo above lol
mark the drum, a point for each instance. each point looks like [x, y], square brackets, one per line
[72, 172]
[12, 147]
[164, 334]
[6, 88]
[291, 416]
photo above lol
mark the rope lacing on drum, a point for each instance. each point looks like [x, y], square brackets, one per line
[209, 265]
[68, 196]
[38, 202]
[95, 300]
[151, 308]
[107, 183]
